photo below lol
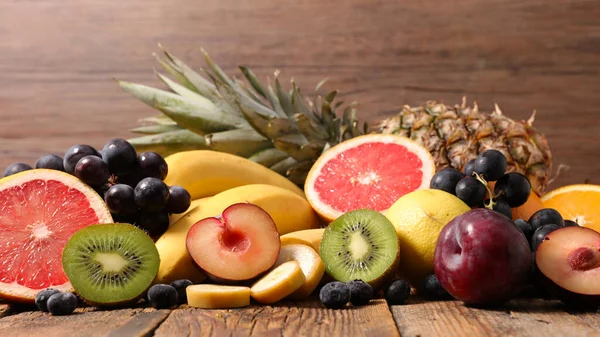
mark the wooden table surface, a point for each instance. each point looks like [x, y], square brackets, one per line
[522, 317]
[58, 60]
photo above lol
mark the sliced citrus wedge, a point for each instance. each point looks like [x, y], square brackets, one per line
[578, 202]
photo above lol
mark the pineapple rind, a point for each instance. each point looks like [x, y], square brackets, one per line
[455, 135]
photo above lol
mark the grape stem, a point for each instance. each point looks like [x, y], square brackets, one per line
[491, 203]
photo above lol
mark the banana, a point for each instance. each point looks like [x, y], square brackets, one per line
[213, 296]
[195, 203]
[290, 212]
[205, 172]
[280, 282]
[310, 237]
[311, 264]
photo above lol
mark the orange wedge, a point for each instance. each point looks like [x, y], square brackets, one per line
[579, 202]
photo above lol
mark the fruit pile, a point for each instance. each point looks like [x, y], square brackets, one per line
[510, 190]
[214, 230]
[132, 185]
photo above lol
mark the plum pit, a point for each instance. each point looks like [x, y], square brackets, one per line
[584, 258]
[235, 241]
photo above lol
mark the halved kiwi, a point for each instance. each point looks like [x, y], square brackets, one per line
[360, 244]
[110, 264]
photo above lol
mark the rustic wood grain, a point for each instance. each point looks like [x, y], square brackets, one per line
[590, 318]
[527, 317]
[301, 319]
[84, 322]
[59, 58]
[5, 309]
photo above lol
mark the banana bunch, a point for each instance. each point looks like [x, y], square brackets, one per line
[205, 173]
[217, 180]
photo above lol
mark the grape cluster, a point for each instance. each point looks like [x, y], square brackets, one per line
[132, 185]
[471, 186]
[542, 223]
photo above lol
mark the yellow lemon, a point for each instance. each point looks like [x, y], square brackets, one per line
[418, 218]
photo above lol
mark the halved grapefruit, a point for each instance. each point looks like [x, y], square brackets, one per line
[39, 211]
[370, 171]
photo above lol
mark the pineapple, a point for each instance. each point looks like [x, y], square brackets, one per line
[286, 131]
[455, 135]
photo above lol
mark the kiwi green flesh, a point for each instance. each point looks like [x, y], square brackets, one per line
[360, 244]
[110, 264]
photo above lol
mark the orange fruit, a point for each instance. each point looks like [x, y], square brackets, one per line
[39, 211]
[367, 172]
[579, 203]
[525, 211]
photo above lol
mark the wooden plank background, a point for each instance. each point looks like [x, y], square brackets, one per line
[58, 60]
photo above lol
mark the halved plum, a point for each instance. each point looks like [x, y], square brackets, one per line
[239, 245]
[570, 258]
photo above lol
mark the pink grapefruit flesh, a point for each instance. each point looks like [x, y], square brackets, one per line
[370, 171]
[39, 211]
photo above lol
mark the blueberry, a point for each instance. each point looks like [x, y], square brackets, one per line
[397, 292]
[335, 294]
[41, 299]
[180, 286]
[162, 296]
[62, 303]
[433, 289]
[360, 292]
[51, 162]
[16, 168]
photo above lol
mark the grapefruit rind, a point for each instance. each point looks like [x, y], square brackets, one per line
[327, 212]
[14, 291]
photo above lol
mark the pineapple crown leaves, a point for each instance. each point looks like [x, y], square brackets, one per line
[279, 128]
